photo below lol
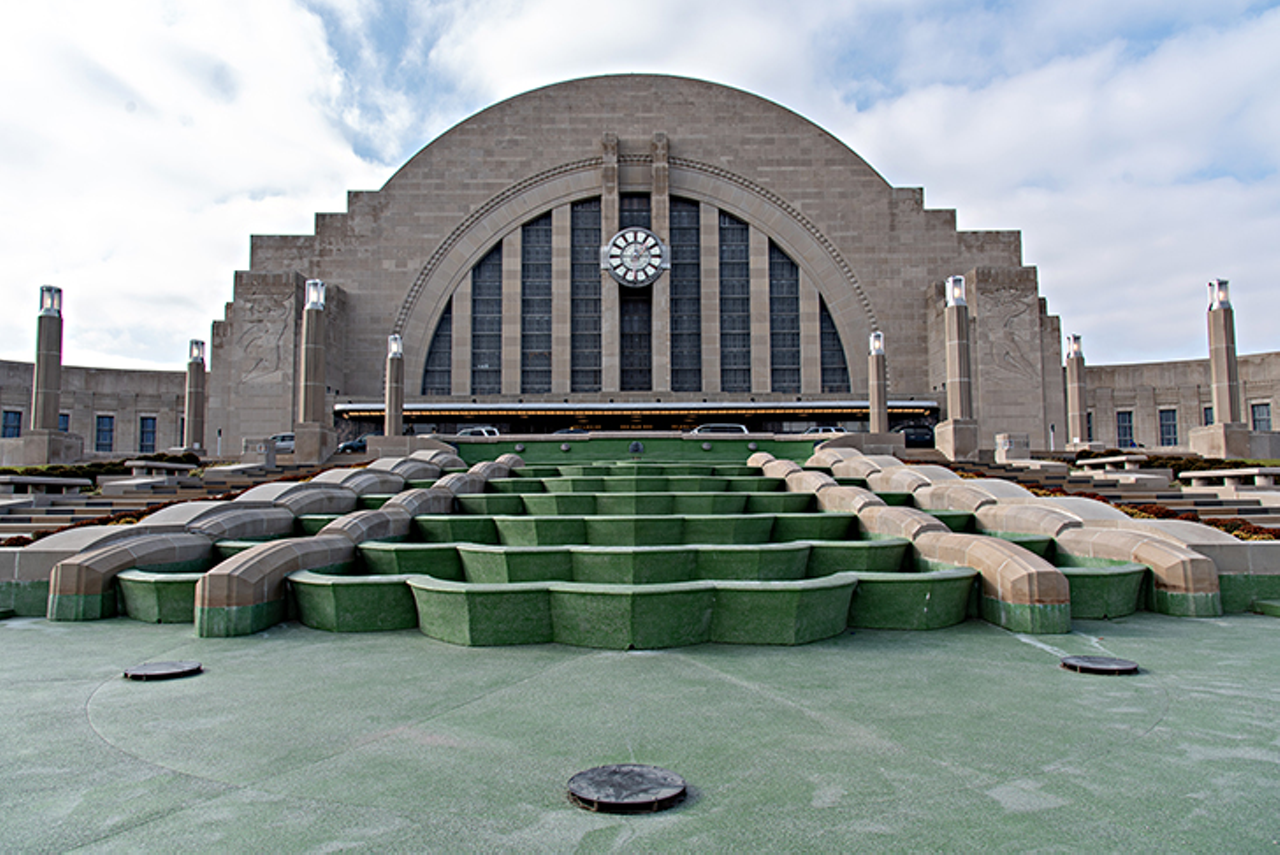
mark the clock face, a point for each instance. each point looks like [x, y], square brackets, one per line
[635, 257]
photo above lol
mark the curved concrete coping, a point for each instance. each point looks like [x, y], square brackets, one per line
[511, 460]
[183, 516]
[383, 524]
[1185, 582]
[850, 499]
[460, 483]
[1027, 519]
[854, 467]
[928, 600]
[934, 473]
[407, 468]
[1000, 490]
[353, 603]
[82, 587]
[952, 495]
[808, 481]
[440, 457]
[489, 469]
[303, 497]
[1105, 591]
[1020, 590]
[893, 521]
[233, 522]
[1087, 510]
[362, 481]
[418, 502]
[899, 479]
[633, 616]
[759, 459]
[247, 593]
[158, 597]
[780, 468]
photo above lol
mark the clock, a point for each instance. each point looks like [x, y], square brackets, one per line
[635, 257]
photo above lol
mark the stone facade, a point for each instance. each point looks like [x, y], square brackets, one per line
[1182, 388]
[125, 396]
[869, 254]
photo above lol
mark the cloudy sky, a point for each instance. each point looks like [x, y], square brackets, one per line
[1134, 143]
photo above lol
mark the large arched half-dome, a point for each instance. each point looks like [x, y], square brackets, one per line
[787, 250]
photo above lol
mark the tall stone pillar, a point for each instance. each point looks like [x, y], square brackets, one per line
[312, 388]
[43, 443]
[393, 400]
[660, 225]
[878, 385]
[46, 397]
[1077, 400]
[1223, 371]
[1228, 436]
[957, 437]
[194, 409]
[610, 310]
[314, 437]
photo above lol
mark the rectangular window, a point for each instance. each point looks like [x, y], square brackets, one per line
[104, 436]
[486, 324]
[64, 422]
[147, 435]
[784, 321]
[1261, 416]
[584, 296]
[535, 306]
[437, 377]
[1088, 425]
[1168, 427]
[735, 305]
[686, 296]
[12, 424]
[835, 371]
[1124, 429]
[1208, 416]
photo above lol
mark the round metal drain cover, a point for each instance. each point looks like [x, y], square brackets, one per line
[626, 788]
[1099, 665]
[163, 670]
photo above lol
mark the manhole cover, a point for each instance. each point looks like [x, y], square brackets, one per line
[1099, 665]
[626, 788]
[163, 670]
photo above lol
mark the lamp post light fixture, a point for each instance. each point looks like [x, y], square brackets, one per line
[196, 351]
[395, 346]
[1073, 346]
[1219, 294]
[315, 294]
[876, 343]
[955, 291]
[51, 301]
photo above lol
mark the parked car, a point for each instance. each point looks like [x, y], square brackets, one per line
[824, 429]
[478, 430]
[917, 436]
[357, 446]
[720, 428]
[283, 442]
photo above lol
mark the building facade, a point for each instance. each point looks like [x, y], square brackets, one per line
[786, 250]
[499, 255]
[117, 412]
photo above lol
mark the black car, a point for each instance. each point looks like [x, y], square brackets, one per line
[916, 436]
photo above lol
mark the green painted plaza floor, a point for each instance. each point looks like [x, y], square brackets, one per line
[963, 739]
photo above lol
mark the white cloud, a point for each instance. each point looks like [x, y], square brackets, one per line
[144, 141]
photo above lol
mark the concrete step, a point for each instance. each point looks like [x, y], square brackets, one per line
[1267, 607]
